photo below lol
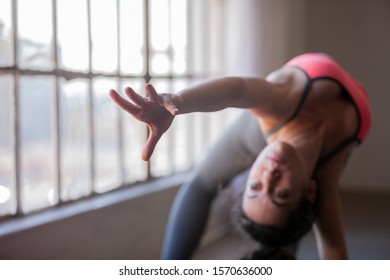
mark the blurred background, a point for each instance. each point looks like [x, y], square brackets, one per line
[72, 184]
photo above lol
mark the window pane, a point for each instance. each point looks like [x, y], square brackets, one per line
[161, 64]
[159, 19]
[132, 37]
[199, 132]
[35, 34]
[104, 35]
[38, 164]
[168, 36]
[6, 36]
[75, 149]
[160, 37]
[134, 139]
[179, 35]
[72, 34]
[108, 175]
[182, 126]
[162, 161]
[7, 172]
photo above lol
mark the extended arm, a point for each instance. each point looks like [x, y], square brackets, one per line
[329, 230]
[158, 110]
[218, 94]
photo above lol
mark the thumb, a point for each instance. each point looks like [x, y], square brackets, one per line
[154, 137]
[169, 105]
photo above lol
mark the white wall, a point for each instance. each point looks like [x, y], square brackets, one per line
[356, 32]
[262, 34]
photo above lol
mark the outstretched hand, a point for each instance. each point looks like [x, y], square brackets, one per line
[157, 111]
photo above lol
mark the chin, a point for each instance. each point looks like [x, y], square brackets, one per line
[278, 149]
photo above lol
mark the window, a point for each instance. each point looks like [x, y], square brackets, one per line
[62, 138]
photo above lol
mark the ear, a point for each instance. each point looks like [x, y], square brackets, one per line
[312, 190]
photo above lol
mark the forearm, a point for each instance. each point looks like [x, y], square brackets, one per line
[210, 96]
[328, 228]
[331, 250]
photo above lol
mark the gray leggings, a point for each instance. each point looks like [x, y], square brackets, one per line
[235, 152]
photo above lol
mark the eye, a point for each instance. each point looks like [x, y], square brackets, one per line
[283, 194]
[254, 185]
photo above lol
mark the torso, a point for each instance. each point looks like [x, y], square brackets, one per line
[326, 111]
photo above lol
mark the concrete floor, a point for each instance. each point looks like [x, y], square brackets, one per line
[367, 226]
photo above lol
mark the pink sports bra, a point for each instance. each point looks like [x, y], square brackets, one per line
[318, 66]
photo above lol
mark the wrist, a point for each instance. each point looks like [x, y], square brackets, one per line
[178, 101]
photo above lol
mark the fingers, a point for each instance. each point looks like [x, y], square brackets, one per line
[163, 99]
[123, 103]
[150, 145]
[151, 113]
[135, 97]
[152, 93]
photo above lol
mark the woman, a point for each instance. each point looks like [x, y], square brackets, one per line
[310, 112]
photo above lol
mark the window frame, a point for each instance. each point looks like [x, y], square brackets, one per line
[57, 73]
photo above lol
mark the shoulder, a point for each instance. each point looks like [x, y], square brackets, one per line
[284, 90]
[328, 175]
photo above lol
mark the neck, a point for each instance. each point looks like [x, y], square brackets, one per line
[308, 146]
[310, 150]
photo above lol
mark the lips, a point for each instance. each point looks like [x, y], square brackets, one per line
[275, 159]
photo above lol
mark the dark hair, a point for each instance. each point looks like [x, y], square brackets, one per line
[270, 253]
[298, 223]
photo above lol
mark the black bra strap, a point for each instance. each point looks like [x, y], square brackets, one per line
[296, 112]
[306, 91]
[324, 159]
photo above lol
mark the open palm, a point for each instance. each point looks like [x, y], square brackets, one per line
[157, 111]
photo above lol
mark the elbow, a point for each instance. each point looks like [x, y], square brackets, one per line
[238, 92]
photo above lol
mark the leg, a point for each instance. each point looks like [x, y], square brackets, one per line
[236, 150]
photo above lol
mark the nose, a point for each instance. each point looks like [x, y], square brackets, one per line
[272, 173]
